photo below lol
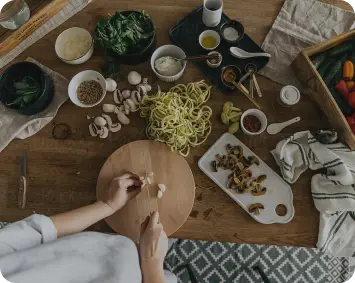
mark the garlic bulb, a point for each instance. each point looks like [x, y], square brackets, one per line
[111, 85]
[134, 78]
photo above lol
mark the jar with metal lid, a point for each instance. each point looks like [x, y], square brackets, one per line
[14, 14]
[289, 96]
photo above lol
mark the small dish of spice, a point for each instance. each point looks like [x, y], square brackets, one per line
[209, 39]
[253, 122]
[214, 63]
[232, 31]
[87, 89]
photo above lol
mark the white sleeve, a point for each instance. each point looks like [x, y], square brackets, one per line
[27, 233]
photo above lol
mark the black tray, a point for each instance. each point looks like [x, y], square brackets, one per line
[186, 33]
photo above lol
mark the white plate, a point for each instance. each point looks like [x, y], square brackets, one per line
[278, 191]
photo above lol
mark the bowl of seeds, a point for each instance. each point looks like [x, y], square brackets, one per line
[87, 89]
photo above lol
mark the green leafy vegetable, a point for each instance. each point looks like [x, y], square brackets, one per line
[111, 67]
[26, 92]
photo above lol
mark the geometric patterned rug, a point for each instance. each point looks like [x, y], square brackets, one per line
[215, 262]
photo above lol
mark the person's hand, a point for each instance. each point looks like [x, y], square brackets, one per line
[153, 244]
[121, 190]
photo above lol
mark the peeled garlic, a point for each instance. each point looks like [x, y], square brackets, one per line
[108, 108]
[126, 107]
[111, 85]
[162, 187]
[134, 78]
[160, 194]
[122, 117]
[131, 104]
[99, 121]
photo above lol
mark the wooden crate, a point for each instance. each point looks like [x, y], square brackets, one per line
[317, 89]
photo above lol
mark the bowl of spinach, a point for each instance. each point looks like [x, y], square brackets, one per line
[26, 88]
[128, 36]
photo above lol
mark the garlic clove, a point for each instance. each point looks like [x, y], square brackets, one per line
[111, 85]
[162, 187]
[134, 78]
[126, 107]
[99, 121]
[108, 108]
[160, 194]
[126, 93]
[104, 133]
[131, 104]
[115, 128]
[122, 117]
[88, 117]
[93, 130]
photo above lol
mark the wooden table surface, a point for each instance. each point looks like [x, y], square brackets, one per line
[62, 174]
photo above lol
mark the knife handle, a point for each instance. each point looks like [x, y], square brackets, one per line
[22, 192]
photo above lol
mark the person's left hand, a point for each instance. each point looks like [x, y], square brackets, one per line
[121, 190]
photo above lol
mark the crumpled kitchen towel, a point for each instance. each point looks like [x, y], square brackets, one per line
[14, 125]
[333, 190]
[300, 24]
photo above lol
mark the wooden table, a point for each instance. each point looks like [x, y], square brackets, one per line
[62, 174]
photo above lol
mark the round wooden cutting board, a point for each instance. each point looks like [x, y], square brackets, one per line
[169, 168]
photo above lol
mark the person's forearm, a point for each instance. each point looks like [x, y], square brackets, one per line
[152, 272]
[79, 219]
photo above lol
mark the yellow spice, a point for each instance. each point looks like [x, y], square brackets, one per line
[209, 42]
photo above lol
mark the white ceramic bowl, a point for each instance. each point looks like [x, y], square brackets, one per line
[168, 50]
[260, 115]
[217, 64]
[60, 45]
[210, 33]
[82, 77]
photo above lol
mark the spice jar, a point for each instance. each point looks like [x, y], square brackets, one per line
[14, 14]
[289, 96]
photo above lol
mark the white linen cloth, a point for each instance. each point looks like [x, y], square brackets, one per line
[14, 125]
[333, 190]
[300, 24]
[31, 253]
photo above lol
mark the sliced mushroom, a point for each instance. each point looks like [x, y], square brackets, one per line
[99, 121]
[145, 81]
[136, 97]
[93, 130]
[142, 89]
[126, 93]
[253, 160]
[229, 148]
[122, 117]
[115, 127]
[108, 120]
[103, 133]
[214, 166]
[117, 96]
[261, 178]
[259, 191]
[108, 108]
[148, 87]
[255, 208]
[126, 108]
[240, 152]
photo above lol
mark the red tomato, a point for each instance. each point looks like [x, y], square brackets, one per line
[350, 120]
[351, 99]
[353, 128]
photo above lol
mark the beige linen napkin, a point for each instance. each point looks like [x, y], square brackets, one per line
[300, 24]
[14, 125]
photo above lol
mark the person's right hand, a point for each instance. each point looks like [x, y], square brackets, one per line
[153, 244]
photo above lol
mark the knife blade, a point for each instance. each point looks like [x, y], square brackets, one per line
[23, 182]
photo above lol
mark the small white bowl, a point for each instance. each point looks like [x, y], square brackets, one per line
[258, 114]
[82, 77]
[212, 33]
[217, 64]
[73, 32]
[168, 50]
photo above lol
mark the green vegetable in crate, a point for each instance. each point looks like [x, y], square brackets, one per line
[333, 74]
[325, 67]
[319, 59]
[340, 49]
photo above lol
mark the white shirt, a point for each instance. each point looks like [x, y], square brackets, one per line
[30, 252]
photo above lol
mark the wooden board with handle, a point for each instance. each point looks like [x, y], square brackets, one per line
[35, 21]
[169, 168]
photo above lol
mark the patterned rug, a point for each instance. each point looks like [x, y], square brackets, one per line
[200, 261]
[215, 262]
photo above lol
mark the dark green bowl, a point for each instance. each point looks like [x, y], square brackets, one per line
[17, 72]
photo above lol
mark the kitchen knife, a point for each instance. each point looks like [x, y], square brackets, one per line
[23, 182]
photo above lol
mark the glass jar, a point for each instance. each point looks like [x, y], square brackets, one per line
[289, 96]
[14, 14]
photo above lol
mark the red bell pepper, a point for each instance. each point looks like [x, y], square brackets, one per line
[342, 88]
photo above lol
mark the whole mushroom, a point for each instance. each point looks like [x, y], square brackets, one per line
[134, 78]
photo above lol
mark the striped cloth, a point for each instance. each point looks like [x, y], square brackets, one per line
[333, 189]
